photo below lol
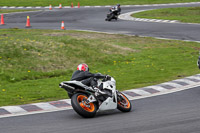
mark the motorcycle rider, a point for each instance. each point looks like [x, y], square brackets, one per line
[116, 9]
[82, 74]
[198, 62]
[114, 12]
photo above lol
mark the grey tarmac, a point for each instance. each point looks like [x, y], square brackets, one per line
[93, 19]
[177, 112]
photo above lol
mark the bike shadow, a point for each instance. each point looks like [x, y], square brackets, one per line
[102, 114]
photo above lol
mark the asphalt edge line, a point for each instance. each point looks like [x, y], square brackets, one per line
[22, 12]
[167, 92]
[127, 16]
[135, 35]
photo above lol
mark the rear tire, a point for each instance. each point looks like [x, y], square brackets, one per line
[80, 106]
[124, 103]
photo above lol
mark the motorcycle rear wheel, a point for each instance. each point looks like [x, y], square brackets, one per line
[81, 107]
[124, 103]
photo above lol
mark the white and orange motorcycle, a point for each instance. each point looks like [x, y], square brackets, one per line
[87, 101]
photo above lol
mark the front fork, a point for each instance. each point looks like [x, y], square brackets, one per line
[91, 99]
[119, 96]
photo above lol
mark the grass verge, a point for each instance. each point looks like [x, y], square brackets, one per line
[85, 2]
[183, 14]
[34, 62]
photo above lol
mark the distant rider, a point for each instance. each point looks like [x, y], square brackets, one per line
[198, 62]
[116, 9]
[82, 74]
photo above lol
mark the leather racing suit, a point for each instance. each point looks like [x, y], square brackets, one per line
[87, 78]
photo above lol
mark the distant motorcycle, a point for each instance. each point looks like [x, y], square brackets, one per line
[198, 62]
[113, 14]
[87, 101]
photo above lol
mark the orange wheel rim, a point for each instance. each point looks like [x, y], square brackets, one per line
[126, 101]
[88, 107]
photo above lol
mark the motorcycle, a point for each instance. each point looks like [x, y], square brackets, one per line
[198, 62]
[87, 101]
[113, 14]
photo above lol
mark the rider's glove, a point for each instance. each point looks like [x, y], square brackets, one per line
[108, 77]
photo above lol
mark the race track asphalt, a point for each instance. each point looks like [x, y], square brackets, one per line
[171, 113]
[177, 112]
[94, 19]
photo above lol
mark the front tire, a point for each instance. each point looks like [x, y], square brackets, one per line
[123, 103]
[80, 106]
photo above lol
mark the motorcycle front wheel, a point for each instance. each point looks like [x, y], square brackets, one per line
[123, 103]
[79, 104]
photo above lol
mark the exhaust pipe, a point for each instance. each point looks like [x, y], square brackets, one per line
[66, 87]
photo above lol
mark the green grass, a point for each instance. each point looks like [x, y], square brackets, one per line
[34, 62]
[85, 2]
[183, 14]
[14, 10]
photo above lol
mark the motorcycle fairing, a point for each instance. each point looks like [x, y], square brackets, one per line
[110, 103]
